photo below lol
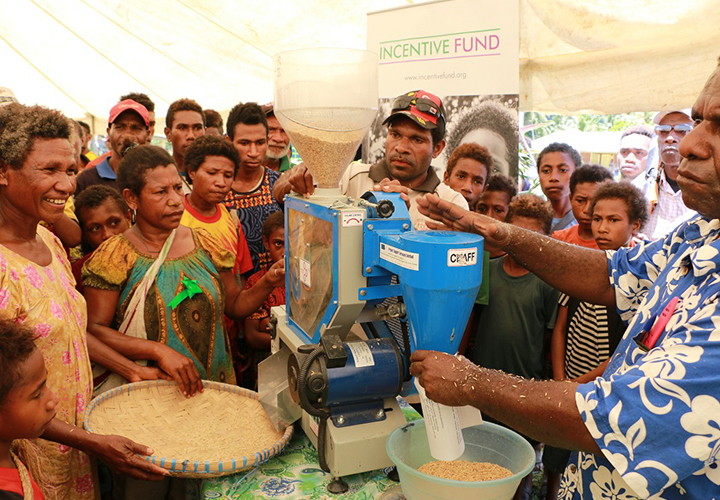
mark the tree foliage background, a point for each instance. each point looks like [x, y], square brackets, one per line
[584, 123]
[535, 125]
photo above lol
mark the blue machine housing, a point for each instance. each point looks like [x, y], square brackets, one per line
[438, 272]
[356, 383]
[378, 286]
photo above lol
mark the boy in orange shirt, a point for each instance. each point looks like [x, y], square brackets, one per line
[584, 181]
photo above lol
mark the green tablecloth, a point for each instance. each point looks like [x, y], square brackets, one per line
[295, 474]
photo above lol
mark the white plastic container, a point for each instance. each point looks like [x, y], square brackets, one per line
[408, 448]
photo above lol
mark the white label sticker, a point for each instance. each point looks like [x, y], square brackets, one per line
[462, 257]
[314, 424]
[305, 273]
[353, 218]
[408, 260]
[361, 353]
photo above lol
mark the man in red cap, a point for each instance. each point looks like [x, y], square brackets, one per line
[416, 135]
[128, 125]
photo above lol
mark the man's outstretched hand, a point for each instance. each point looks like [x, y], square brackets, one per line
[450, 216]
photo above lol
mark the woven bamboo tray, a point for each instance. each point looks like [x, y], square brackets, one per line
[218, 432]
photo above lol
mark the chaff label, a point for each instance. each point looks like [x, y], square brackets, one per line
[462, 257]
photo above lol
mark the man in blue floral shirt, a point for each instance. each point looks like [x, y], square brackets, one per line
[650, 426]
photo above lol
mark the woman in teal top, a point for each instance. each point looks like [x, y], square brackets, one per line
[182, 329]
[194, 327]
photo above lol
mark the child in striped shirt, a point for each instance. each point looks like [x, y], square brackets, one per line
[585, 335]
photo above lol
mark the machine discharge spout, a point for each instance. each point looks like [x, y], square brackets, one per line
[439, 274]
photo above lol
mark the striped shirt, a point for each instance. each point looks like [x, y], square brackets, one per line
[588, 340]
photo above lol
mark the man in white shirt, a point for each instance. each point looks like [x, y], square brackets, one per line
[667, 209]
[416, 135]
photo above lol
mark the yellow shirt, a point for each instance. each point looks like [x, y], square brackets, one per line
[225, 229]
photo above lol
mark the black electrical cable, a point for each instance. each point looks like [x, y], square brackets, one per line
[322, 438]
[302, 394]
[406, 351]
[322, 413]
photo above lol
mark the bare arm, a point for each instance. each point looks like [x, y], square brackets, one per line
[557, 344]
[592, 374]
[118, 452]
[296, 179]
[256, 334]
[68, 231]
[239, 303]
[117, 363]
[543, 410]
[558, 264]
[101, 305]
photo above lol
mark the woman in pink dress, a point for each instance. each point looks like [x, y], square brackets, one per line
[38, 290]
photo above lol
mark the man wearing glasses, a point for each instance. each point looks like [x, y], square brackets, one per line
[667, 209]
[416, 135]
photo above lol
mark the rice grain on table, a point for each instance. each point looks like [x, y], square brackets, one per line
[462, 470]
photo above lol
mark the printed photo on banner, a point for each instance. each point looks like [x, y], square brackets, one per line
[468, 56]
[488, 120]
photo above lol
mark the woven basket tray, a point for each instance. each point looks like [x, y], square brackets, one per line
[221, 431]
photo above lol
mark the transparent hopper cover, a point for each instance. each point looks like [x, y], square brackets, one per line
[326, 100]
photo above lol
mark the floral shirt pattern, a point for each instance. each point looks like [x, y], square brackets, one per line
[656, 415]
[44, 298]
[253, 208]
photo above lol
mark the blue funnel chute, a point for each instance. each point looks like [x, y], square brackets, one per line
[440, 273]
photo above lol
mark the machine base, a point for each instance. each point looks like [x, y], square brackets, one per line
[350, 449]
[337, 486]
[356, 448]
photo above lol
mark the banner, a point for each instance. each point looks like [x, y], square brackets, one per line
[466, 52]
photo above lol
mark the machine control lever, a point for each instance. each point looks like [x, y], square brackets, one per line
[382, 209]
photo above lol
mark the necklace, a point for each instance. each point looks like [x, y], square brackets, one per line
[142, 240]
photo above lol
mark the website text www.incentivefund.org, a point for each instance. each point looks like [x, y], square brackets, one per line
[438, 76]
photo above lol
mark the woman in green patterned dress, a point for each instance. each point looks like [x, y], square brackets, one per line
[183, 331]
[166, 288]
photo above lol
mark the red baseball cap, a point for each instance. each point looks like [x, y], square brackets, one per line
[129, 105]
[422, 107]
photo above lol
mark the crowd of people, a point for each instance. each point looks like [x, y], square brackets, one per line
[140, 265]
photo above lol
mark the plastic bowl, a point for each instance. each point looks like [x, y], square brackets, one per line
[408, 448]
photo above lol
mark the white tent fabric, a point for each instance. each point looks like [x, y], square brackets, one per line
[616, 56]
[603, 56]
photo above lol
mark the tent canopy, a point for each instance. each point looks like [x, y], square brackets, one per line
[606, 56]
